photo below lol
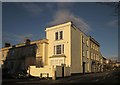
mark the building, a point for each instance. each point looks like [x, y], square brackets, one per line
[65, 51]
[96, 57]
[19, 57]
[71, 48]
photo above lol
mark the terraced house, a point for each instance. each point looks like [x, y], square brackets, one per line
[65, 51]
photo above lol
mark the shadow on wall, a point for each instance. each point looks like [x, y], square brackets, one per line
[18, 59]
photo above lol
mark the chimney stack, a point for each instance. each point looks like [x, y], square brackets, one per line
[7, 44]
[27, 41]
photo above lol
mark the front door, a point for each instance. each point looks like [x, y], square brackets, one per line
[62, 71]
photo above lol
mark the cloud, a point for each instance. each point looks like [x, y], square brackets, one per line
[10, 37]
[65, 15]
[113, 23]
[33, 8]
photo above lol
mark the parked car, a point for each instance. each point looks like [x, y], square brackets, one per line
[20, 75]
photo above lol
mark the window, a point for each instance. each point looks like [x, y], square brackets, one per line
[56, 36]
[87, 52]
[91, 45]
[96, 57]
[83, 40]
[91, 55]
[63, 48]
[59, 35]
[87, 42]
[57, 61]
[59, 49]
[83, 53]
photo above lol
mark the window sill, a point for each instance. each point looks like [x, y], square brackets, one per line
[58, 55]
[58, 40]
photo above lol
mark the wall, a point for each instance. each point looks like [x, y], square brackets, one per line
[37, 71]
[50, 70]
[50, 35]
[59, 71]
[76, 65]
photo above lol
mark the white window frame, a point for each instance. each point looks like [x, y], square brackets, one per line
[57, 61]
[59, 35]
[62, 49]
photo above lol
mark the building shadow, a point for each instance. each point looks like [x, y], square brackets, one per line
[18, 59]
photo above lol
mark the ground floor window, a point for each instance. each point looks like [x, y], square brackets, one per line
[57, 61]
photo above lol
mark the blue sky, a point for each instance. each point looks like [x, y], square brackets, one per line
[21, 20]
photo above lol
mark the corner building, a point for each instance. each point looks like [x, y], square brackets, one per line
[68, 51]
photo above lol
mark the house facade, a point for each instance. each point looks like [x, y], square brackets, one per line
[19, 57]
[67, 50]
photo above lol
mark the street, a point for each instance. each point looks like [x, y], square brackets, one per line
[111, 77]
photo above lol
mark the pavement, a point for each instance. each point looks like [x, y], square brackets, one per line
[110, 77]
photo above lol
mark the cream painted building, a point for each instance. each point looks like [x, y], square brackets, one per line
[68, 45]
[67, 50]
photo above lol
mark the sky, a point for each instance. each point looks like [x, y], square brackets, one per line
[29, 20]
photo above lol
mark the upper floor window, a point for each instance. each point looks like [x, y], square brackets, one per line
[59, 49]
[83, 39]
[59, 35]
[83, 53]
[56, 36]
[87, 42]
[87, 53]
[91, 55]
[91, 45]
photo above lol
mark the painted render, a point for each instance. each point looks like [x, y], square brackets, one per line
[75, 49]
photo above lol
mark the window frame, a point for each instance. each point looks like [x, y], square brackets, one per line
[59, 49]
[59, 35]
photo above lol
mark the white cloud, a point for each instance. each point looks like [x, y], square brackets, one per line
[65, 15]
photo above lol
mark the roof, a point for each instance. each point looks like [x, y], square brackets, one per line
[93, 40]
[23, 44]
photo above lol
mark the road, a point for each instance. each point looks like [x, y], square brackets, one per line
[111, 77]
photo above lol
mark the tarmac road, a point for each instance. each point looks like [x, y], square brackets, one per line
[111, 77]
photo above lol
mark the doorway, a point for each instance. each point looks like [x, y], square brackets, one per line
[83, 67]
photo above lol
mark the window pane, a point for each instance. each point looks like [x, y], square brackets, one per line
[63, 48]
[61, 34]
[58, 49]
[56, 36]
